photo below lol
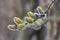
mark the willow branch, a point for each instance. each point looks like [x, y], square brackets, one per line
[50, 6]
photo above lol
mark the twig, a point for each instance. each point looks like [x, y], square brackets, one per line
[50, 6]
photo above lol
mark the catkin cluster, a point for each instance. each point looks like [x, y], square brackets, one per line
[33, 20]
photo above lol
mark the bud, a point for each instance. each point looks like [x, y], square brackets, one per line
[21, 26]
[17, 20]
[38, 22]
[31, 14]
[29, 19]
[39, 9]
[12, 26]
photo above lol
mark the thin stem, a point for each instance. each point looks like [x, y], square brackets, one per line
[49, 6]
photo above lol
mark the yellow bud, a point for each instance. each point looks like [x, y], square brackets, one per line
[38, 22]
[31, 14]
[12, 26]
[21, 26]
[17, 20]
[39, 9]
[29, 19]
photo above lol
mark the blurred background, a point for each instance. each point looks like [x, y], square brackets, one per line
[19, 8]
